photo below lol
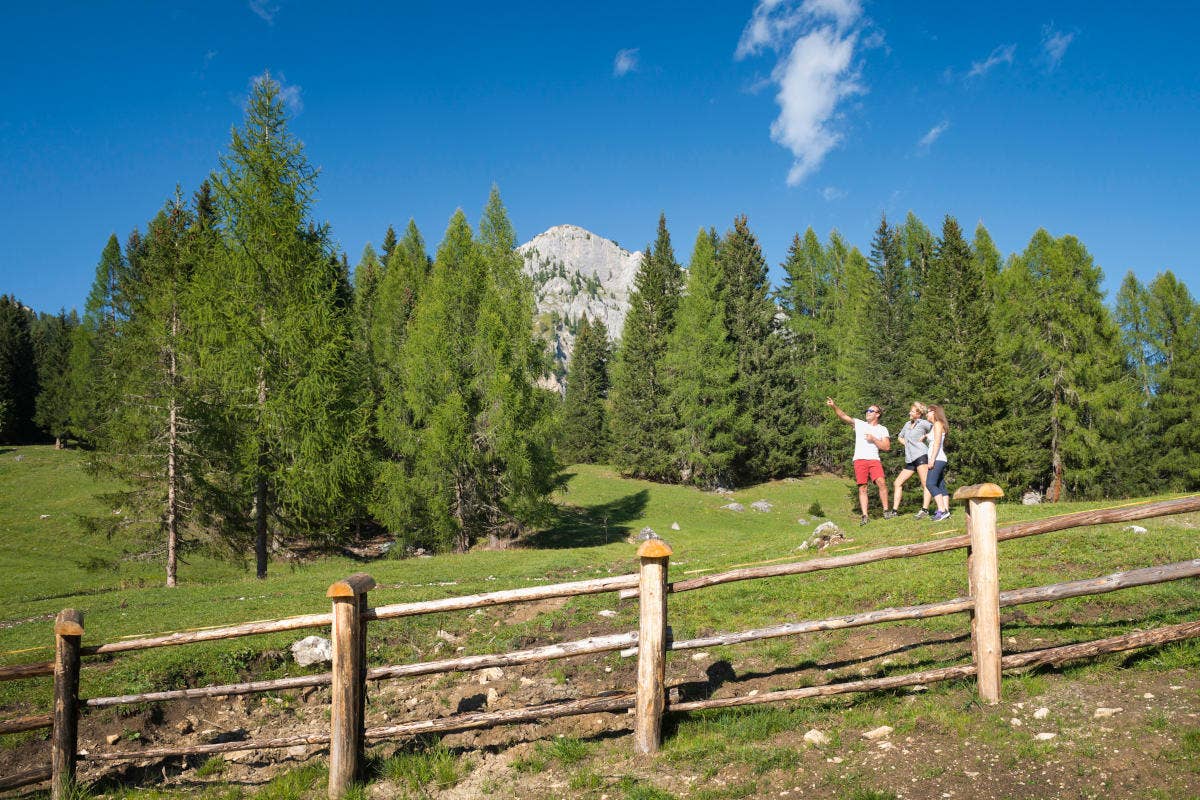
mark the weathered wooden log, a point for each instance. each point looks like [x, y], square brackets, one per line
[212, 634]
[29, 723]
[64, 740]
[154, 753]
[1015, 597]
[617, 701]
[15, 672]
[1053, 655]
[1077, 519]
[346, 712]
[984, 571]
[550, 652]
[652, 645]
[250, 687]
[26, 778]
[571, 589]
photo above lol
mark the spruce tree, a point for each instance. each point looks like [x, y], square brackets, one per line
[367, 276]
[889, 380]
[699, 371]
[278, 337]
[52, 351]
[389, 244]
[1176, 437]
[585, 434]
[641, 418]
[749, 320]
[18, 373]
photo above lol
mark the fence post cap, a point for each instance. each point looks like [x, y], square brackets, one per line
[356, 584]
[980, 491]
[69, 622]
[654, 548]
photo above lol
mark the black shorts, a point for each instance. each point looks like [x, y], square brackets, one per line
[919, 461]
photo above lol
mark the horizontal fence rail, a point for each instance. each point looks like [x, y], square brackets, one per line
[351, 615]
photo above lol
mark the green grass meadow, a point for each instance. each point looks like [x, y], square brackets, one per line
[47, 563]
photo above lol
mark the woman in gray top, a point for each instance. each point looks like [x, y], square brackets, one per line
[916, 456]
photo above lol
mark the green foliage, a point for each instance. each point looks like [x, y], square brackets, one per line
[52, 353]
[585, 431]
[18, 372]
[419, 769]
[91, 373]
[699, 370]
[641, 417]
[889, 379]
[815, 510]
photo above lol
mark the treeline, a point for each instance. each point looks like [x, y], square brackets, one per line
[246, 394]
[719, 379]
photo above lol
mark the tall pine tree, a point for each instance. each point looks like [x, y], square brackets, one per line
[585, 434]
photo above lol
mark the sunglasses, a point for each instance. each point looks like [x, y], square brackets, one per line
[872, 410]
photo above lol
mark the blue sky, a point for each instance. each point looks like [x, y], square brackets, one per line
[1082, 118]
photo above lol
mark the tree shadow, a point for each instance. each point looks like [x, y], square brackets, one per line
[591, 526]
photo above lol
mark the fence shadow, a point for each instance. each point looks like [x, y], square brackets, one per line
[591, 526]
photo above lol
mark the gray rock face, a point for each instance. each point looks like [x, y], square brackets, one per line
[577, 273]
[1031, 498]
[312, 650]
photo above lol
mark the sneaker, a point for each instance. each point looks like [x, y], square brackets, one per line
[922, 514]
[889, 515]
[940, 515]
[865, 519]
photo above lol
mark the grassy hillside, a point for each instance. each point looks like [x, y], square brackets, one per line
[47, 564]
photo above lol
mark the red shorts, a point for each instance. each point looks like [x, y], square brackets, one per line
[866, 470]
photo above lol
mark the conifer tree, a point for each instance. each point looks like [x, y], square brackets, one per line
[52, 352]
[957, 360]
[405, 273]
[367, 276]
[1132, 314]
[1176, 438]
[585, 434]
[389, 244]
[919, 247]
[1068, 368]
[853, 335]
[987, 257]
[641, 417]
[18, 373]
[278, 338]
[90, 372]
[749, 319]
[699, 370]
[889, 377]
[810, 296]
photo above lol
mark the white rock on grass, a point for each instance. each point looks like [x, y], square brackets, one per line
[674, 526]
[1044, 737]
[1133, 529]
[606, 612]
[816, 737]
[734, 507]
[491, 674]
[761, 505]
[1103, 712]
[1041, 713]
[312, 650]
[877, 733]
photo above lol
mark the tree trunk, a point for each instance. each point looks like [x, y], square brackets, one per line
[1054, 494]
[260, 492]
[172, 447]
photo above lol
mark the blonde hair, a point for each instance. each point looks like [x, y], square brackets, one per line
[921, 408]
[939, 414]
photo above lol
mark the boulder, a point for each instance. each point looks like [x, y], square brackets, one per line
[312, 650]
[1031, 498]
[644, 535]
[738, 507]
[761, 505]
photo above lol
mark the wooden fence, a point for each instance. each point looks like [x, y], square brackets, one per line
[351, 615]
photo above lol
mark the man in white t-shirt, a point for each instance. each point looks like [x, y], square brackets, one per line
[869, 438]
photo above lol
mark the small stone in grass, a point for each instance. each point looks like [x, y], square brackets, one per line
[606, 612]
[816, 737]
[1041, 713]
[1102, 712]
[878, 733]
[1045, 737]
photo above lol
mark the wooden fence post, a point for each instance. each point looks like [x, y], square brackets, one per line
[652, 645]
[346, 721]
[984, 576]
[64, 746]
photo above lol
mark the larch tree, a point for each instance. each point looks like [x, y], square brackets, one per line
[890, 378]
[90, 372]
[278, 337]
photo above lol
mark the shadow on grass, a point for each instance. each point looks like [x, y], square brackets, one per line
[592, 526]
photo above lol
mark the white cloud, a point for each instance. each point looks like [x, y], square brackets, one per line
[934, 133]
[1055, 44]
[831, 193]
[289, 93]
[625, 61]
[816, 41]
[265, 9]
[1001, 55]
